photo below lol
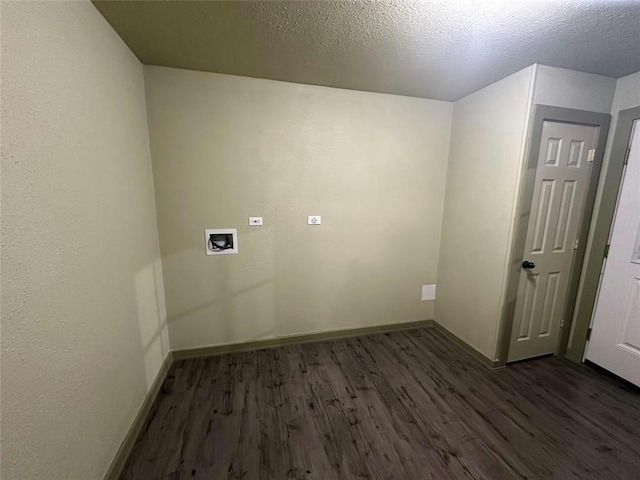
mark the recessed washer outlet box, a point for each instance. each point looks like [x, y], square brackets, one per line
[221, 241]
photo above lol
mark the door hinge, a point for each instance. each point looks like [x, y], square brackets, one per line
[589, 334]
[575, 245]
[591, 156]
[561, 324]
[626, 156]
[606, 251]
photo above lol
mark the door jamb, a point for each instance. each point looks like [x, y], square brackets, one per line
[602, 222]
[540, 114]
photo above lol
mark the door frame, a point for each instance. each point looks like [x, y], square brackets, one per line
[602, 223]
[539, 115]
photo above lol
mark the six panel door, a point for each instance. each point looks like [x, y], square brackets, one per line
[555, 214]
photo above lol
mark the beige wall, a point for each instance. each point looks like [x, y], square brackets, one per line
[487, 148]
[82, 301]
[560, 87]
[372, 165]
[627, 93]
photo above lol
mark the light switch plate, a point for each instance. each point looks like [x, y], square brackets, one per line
[255, 221]
[314, 220]
[428, 292]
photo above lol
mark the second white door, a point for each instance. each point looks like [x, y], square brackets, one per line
[615, 339]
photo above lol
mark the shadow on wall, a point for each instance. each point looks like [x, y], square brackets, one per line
[233, 300]
[152, 318]
[287, 282]
[243, 298]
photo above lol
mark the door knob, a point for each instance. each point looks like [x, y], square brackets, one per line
[527, 264]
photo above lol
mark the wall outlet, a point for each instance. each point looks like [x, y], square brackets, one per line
[428, 292]
[254, 221]
[314, 220]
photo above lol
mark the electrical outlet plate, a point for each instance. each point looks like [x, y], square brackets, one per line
[255, 221]
[314, 220]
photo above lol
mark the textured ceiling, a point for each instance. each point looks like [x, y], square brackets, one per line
[434, 49]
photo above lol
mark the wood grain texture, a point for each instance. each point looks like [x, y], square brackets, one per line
[403, 405]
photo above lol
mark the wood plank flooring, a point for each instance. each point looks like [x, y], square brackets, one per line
[405, 405]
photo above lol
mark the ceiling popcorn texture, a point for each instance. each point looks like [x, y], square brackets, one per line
[437, 49]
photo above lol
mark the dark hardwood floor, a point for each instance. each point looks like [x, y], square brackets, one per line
[406, 405]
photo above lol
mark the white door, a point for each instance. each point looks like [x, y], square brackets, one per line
[615, 335]
[559, 196]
